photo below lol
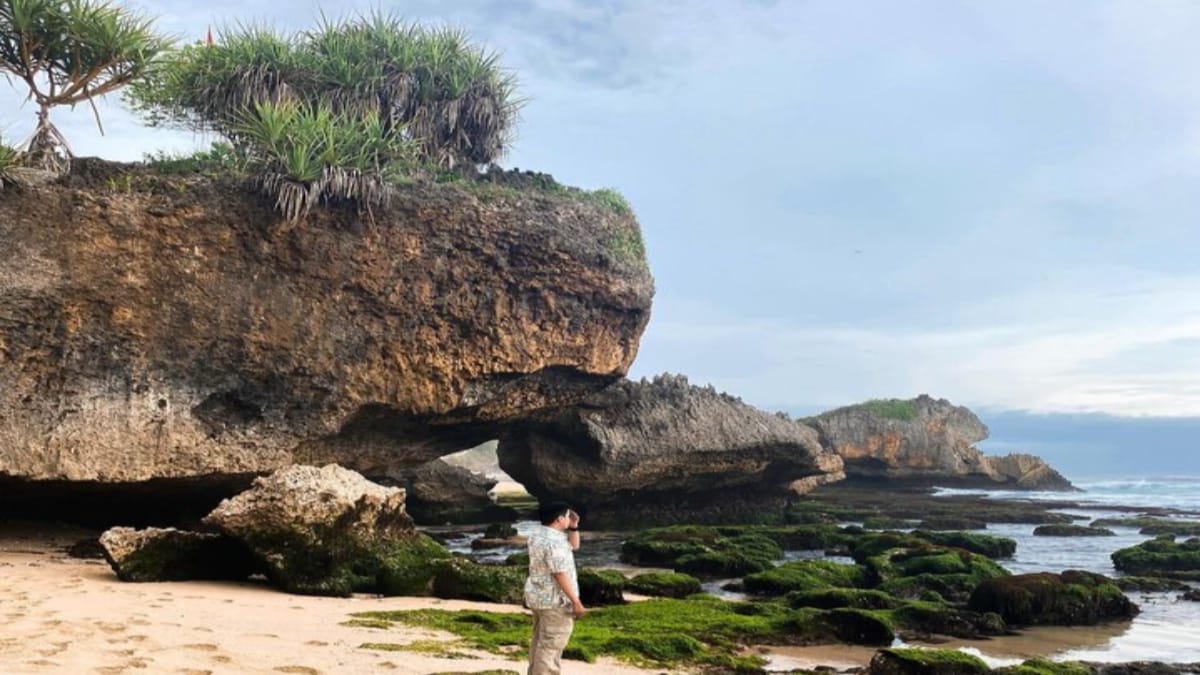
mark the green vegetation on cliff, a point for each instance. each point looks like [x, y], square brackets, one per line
[68, 53]
[901, 410]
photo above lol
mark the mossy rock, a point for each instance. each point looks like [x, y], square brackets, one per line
[928, 618]
[834, 598]
[952, 573]
[601, 587]
[1046, 667]
[952, 523]
[664, 584]
[887, 523]
[1153, 526]
[736, 557]
[991, 546]
[1072, 598]
[804, 575]
[1162, 557]
[1149, 584]
[859, 627]
[925, 662]
[521, 558]
[1071, 531]
[464, 579]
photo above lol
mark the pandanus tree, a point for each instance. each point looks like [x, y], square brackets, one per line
[338, 111]
[68, 52]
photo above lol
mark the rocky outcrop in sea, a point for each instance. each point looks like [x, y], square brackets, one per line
[926, 441]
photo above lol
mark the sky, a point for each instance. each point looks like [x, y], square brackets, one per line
[990, 202]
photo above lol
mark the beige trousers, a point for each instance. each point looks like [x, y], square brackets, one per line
[551, 631]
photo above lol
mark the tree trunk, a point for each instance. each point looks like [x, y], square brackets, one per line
[48, 149]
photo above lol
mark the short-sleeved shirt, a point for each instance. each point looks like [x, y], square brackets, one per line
[549, 553]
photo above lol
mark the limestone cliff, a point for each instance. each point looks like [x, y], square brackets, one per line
[926, 440]
[665, 451]
[159, 327]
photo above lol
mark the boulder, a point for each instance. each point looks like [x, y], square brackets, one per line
[329, 531]
[1073, 598]
[925, 662]
[663, 451]
[925, 441]
[1161, 557]
[157, 554]
[179, 328]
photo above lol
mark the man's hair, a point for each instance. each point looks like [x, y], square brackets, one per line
[549, 511]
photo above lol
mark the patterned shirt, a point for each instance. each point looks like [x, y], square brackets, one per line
[549, 552]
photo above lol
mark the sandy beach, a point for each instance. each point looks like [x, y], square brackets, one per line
[66, 615]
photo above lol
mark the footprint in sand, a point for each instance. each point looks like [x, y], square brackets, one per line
[221, 658]
[193, 671]
[42, 662]
[202, 629]
[111, 627]
[316, 643]
[137, 638]
[298, 670]
[202, 647]
[266, 635]
[52, 623]
[389, 665]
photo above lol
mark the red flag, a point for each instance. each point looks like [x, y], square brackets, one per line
[208, 39]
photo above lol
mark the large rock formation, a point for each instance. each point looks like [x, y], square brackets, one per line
[926, 441]
[666, 451]
[171, 328]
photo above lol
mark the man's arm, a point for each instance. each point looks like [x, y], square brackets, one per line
[564, 583]
[573, 530]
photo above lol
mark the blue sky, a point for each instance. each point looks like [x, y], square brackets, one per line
[991, 202]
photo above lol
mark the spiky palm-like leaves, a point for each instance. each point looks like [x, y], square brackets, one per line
[68, 52]
[305, 154]
[9, 157]
[430, 85]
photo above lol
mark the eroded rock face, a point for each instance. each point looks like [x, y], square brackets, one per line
[926, 440]
[665, 451]
[158, 328]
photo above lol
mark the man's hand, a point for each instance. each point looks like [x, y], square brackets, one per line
[573, 518]
[578, 609]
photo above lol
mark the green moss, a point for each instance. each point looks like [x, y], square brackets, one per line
[656, 633]
[664, 584]
[834, 598]
[927, 662]
[887, 523]
[953, 574]
[804, 575]
[1046, 667]
[1163, 557]
[901, 410]
[461, 578]
[601, 587]
[953, 522]
[1150, 584]
[1071, 598]
[983, 544]
[444, 650]
[1063, 530]
[703, 551]
[933, 618]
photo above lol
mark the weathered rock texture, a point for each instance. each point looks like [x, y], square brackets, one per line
[666, 451]
[442, 492]
[158, 554]
[157, 327]
[926, 440]
[329, 531]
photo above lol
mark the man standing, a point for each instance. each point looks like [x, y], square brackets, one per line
[552, 589]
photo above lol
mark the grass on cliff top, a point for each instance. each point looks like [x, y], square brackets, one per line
[901, 410]
[655, 633]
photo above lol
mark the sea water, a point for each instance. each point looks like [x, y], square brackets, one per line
[1167, 629]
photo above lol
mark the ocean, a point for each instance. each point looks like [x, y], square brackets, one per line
[1167, 629]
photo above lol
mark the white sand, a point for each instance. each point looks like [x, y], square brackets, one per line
[63, 615]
